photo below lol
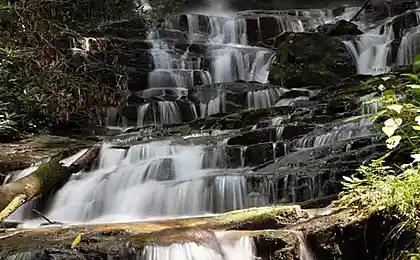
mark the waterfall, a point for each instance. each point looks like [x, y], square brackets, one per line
[373, 51]
[214, 46]
[150, 180]
[409, 47]
[228, 249]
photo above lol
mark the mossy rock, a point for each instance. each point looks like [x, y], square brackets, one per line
[308, 59]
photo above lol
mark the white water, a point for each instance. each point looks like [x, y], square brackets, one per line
[229, 249]
[150, 180]
[372, 51]
[229, 55]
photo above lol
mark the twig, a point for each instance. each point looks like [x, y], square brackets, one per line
[44, 217]
[361, 9]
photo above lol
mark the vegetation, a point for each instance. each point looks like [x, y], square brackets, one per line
[44, 86]
[391, 184]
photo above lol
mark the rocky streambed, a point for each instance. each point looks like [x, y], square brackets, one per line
[230, 135]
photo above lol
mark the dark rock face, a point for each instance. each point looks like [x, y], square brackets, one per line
[305, 59]
[340, 28]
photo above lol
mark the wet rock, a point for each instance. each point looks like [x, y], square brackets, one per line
[307, 59]
[355, 240]
[254, 137]
[259, 154]
[342, 27]
[404, 22]
[380, 10]
[234, 96]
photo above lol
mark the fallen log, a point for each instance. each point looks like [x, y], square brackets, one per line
[42, 181]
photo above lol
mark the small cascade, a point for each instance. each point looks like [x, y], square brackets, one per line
[370, 50]
[214, 106]
[149, 180]
[388, 44]
[212, 47]
[230, 193]
[225, 248]
[304, 251]
[242, 155]
[409, 47]
[359, 127]
[263, 98]
[165, 113]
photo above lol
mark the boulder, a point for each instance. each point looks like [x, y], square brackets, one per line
[307, 59]
[342, 27]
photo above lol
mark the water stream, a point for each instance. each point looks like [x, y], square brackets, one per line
[162, 178]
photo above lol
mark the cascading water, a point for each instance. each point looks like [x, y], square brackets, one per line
[219, 49]
[373, 50]
[227, 249]
[150, 180]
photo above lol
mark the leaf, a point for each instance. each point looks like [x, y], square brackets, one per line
[416, 63]
[380, 208]
[385, 78]
[413, 86]
[396, 108]
[416, 157]
[411, 76]
[393, 122]
[393, 142]
[348, 179]
[417, 120]
[76, 241]
[416, 127]
[391, 125]
[381, 87]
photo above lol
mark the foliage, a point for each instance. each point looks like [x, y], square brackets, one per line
[41, 85]
[391, 184]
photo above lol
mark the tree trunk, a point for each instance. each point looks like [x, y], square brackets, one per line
[41, 181]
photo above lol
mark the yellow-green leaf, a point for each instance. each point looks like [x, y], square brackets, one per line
[76, 241]
[392, 142]
[393, 122]
[396, 108]
[380, 208]
[416, 157]
[414, 86]
[416, 127]
[381, 87]
[389, 130]
[410, 75]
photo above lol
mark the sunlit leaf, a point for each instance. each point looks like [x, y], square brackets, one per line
[381, 208]
[396, 108]
[410, 75]
[393, 141]
[416, 157]
[385, 78]
[348, 179]
[77, 241]
[416, 63]
[416, 127]
[391, 125]
[414, 86]
[381, 87]
[417, 120]
[393, 121]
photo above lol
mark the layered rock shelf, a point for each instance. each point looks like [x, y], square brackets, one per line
[232, 131]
